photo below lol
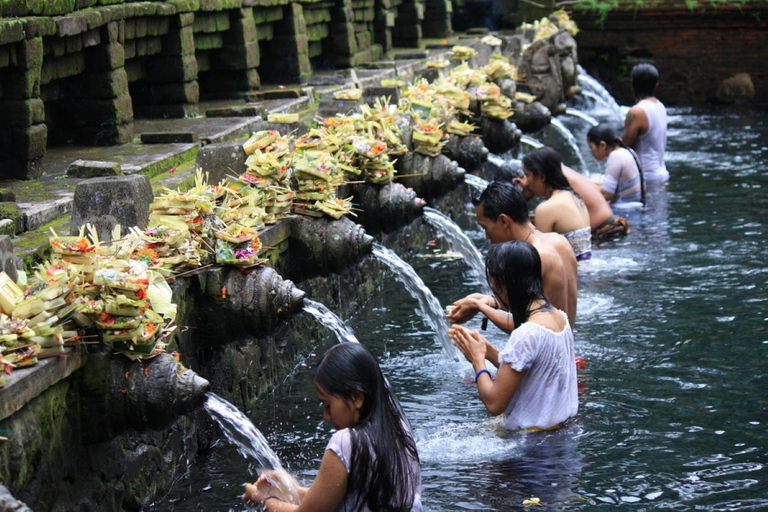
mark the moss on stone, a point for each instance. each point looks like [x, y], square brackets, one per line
[176, 161]
[33, 247]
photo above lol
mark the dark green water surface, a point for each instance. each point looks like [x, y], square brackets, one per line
[672, 321]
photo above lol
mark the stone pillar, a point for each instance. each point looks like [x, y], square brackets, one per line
[23, 134]
[286, 57]
[408, 31]
[108, 201]
[100, 94]
[234, 66]
[437, 18]
[172, 74]
[384, 22]
[317, 18]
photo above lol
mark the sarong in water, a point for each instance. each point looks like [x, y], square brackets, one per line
[581, 242]
[613, 227]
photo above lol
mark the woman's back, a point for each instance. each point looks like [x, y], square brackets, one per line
[622, 177]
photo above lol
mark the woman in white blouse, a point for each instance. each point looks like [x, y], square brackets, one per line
[535, 385]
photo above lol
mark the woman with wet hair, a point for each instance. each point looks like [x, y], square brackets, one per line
[371, 462]
[623, 181]
[563, 211]
[535, 385]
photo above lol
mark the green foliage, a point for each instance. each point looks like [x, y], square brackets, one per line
[602, 8]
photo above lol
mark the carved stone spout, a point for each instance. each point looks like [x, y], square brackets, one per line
[387, 208]
[468, 151]
[499, 135]
[118, 394]
[252, 303]
[531, 117]
[433, 176]
[320, 246]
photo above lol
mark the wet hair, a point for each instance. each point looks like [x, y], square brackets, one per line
[603, 132]
[645, 78]
[504, 197]
[380, 469]
[516, 267]
[546, 162]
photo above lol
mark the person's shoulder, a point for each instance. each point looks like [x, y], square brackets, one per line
[552, 244]
[562, 247]
[341, 437]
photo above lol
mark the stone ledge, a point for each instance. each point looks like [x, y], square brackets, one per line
[42, 212]
[24, 385]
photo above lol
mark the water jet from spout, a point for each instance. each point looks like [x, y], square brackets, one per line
[459, 241]
[331, 320]
[429, 307]
[250, 443]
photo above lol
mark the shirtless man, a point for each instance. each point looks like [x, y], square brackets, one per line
[645, 127]
[503, 214]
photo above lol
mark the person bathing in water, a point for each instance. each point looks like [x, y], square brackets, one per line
[623, 181]
[503, 214]
[563, 211]
[535, 386]
[604, 223]
[371, 462]
[645, 127]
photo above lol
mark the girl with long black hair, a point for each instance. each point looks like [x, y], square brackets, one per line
[535, 385]
[371, 463]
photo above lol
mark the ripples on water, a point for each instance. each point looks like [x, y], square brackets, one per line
[672, 321]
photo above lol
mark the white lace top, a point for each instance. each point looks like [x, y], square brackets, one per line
[547, 394]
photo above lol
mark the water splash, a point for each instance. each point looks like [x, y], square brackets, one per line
[530, 141]
[241, 432]
[331, 320]
[598, 91]
[581, 115]
[570, 140]
[494, 159]
[476, 182]
[250, 443]
[429, 306]
[459, 241]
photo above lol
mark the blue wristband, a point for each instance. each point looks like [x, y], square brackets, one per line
[477, 375]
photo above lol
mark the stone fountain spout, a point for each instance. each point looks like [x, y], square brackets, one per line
[468, 151]
[118, 394]
[499, 135]
[247, 303]
[531, 117]
[386, 208]
[320, 246]
[432, 176]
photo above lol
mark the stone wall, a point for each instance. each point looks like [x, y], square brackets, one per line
[63, 454]
[698, 52]
[78, 71]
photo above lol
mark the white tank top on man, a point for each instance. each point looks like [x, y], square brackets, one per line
[651, 145]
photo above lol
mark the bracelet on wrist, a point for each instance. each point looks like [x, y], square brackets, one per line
[270, 498]
[480, 372]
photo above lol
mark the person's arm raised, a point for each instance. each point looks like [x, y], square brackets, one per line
[494, 393]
